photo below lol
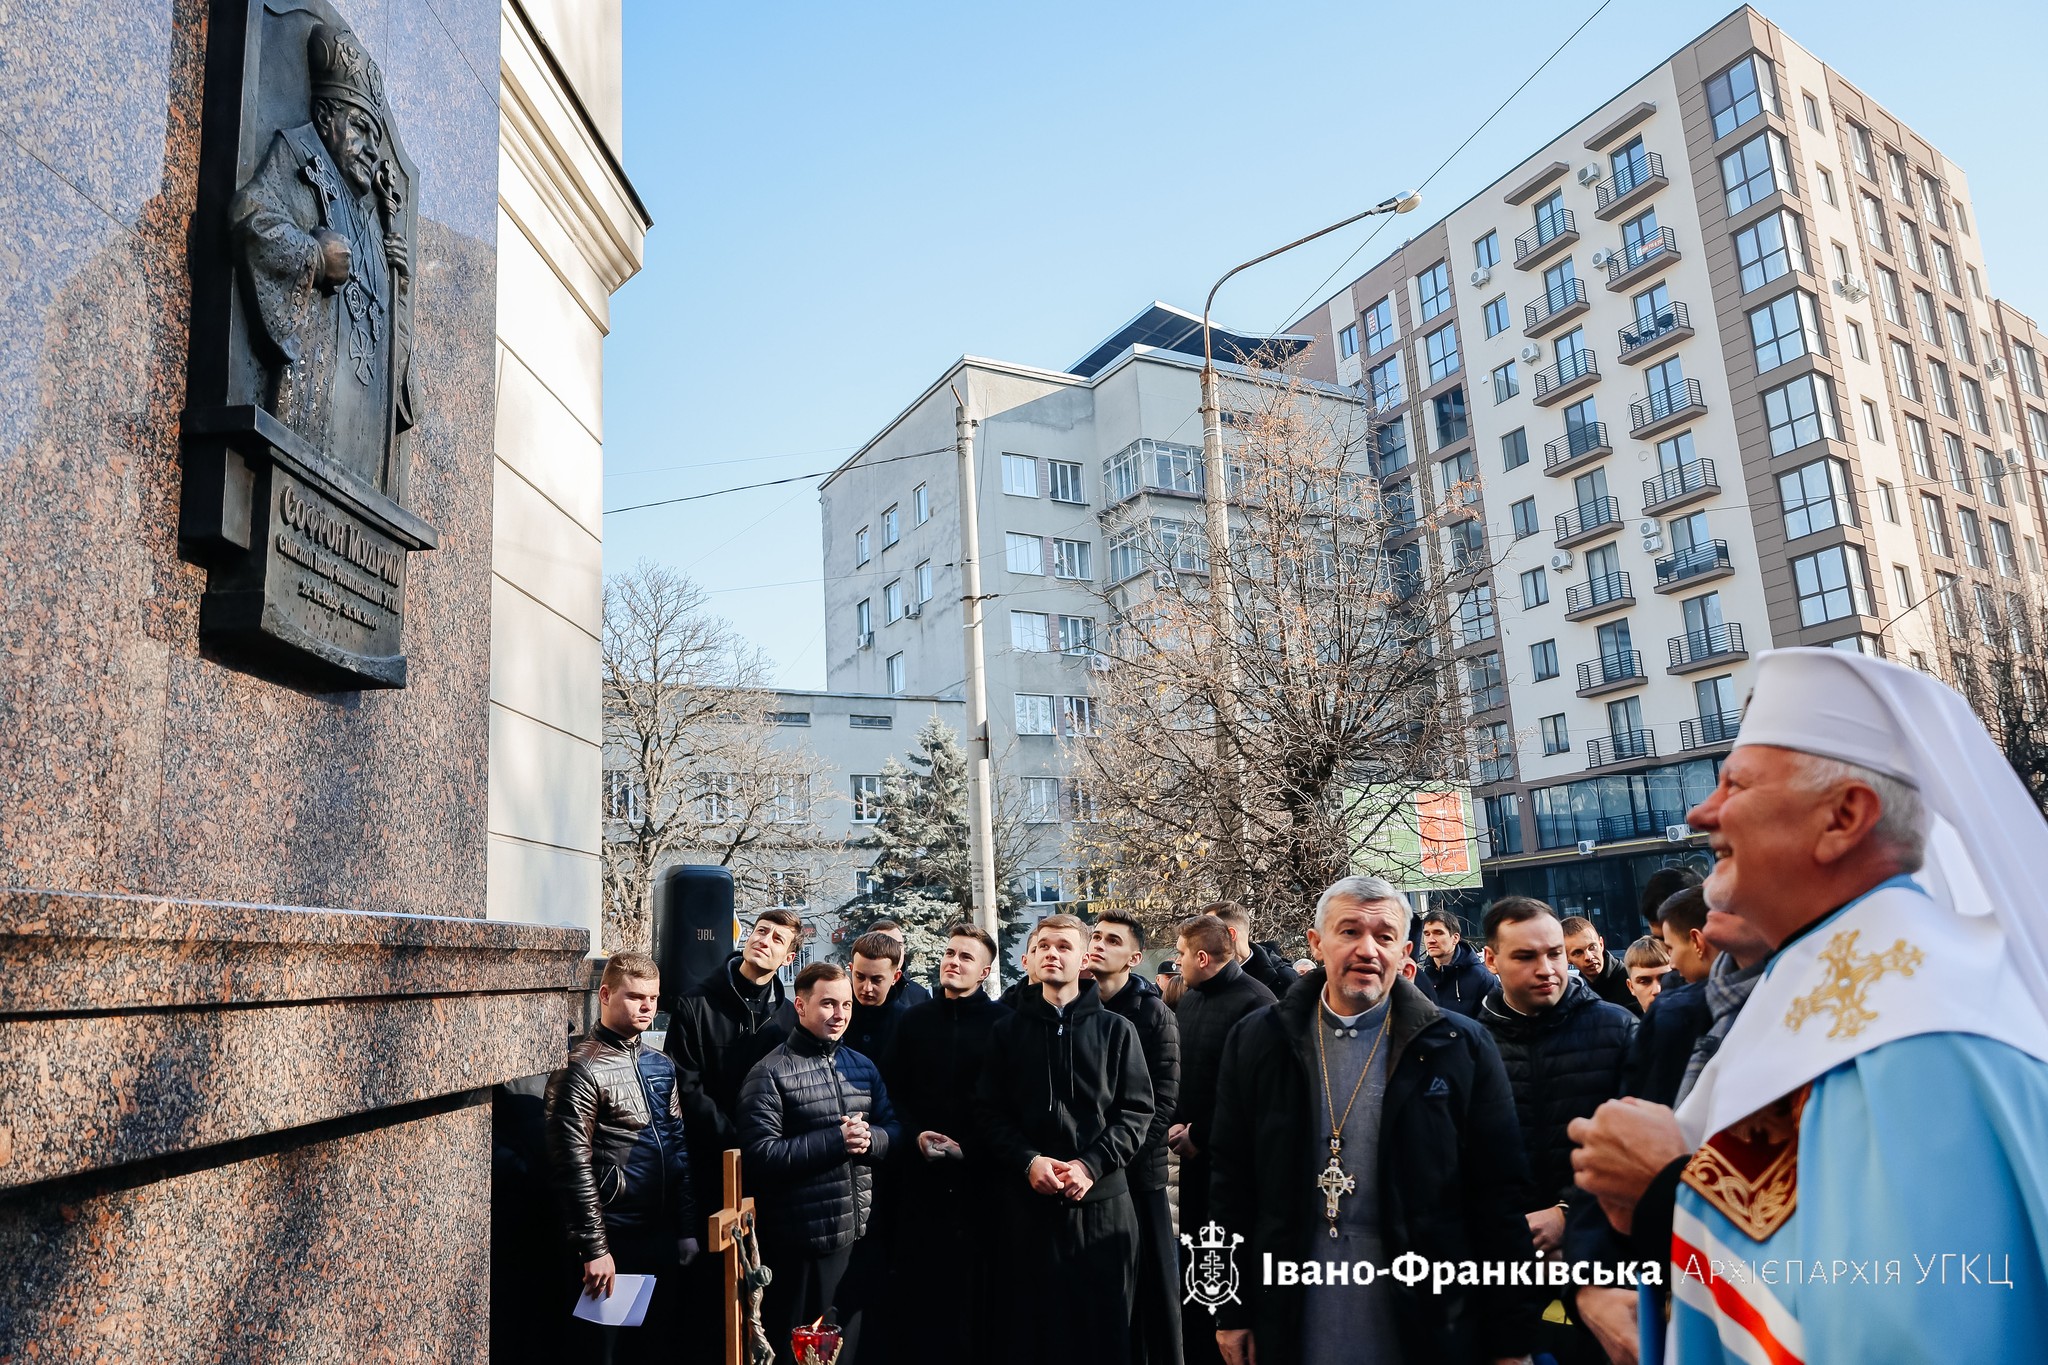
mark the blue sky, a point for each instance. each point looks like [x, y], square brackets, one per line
[848, 197]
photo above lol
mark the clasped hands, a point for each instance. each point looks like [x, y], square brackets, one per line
[1049, 1175]
[859, 1137]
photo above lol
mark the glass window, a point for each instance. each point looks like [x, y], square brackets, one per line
[1034, 713]
[1503, 824]
[1958, 462]
[867, 798]
[1064, 481]
[1874, 230]
[1896, 174]
[1071, 559]
[1831, 585]
[1909, 592]
[920, 504]
[1077, 634]
[1923, 450]
[1754, 171]
[1942, 391]
[1904, 370]
[1514, 449]
[1909, 245]
[1931, 202]
[1468, 545]
[1078, 714]
[1812, 108]
[892, 601]
[1894, 301]
[1561, 287]
[2027, 368]
[1858, 347]
[1020, 476]
[1543, 659]
[1783, 330]
[1951, 605]
[1347, 342]
[1800, 412]
[1475, 614]
[1379, 325]
[1460, 476]
[1972, 530]
[1434, 287]
[1740, 93]
[1551, 219]
[1486, 251]
[1042, 886]
[1768, 248]
[1628, 165]
[1496, 746]
[892, 527]
[1486, 681]
[1442, 348]
[2002, 551]
[1815, 497]
[1859, 151]
[1384, 382]
[1924, 309]
[1023, 554]
[1535, 589]
[861, 553]
[1935, 522]
[1505, 386]
[1945, 269]
[1827, 186]
[1390, 448]
[1973, 405]
[896, 675]
[1031, 632]
[1041, 800]
[1497, 316]
[1451, 420]
[1991, 470]
[1557, 737]
[1524, 514]
[1873, 424]
[924, 581]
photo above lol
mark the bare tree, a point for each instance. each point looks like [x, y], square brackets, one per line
[694, 769]
[1255, 761]
[1995, 662]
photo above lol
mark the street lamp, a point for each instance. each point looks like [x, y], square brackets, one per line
[1215, 496]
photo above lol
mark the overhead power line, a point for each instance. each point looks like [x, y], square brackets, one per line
[772, 483]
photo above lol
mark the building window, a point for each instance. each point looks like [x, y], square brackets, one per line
[1800, 412]
[1768, 248]
[621, 795]
[1078, 714]
[867, 798]
[2026, 367]
[924, 581]
[1064, 478]
[1384, 383]
[1783, 330]
[1754, 171]
[1945, 269]
[864, 617]
[1874, 230]
[1379, 325]
[1503, 824]
[1077, 634]
[1951, 605]
[1434, 287]
[1815, 497]
[1486, 251]
[1390, 448]
[1468, 546]
[1909, 591]
[1042, 885]
[1070, 559]
[1991, 471]
[897, 682]
[1442, 348]
[1505, 386]
[1020, 476]
[892, 527]
[1030, 632]
[1514, 449]
[1486, 682]
[1524, 515]
[1860, 153]
[1535, 589]
[1930, 325]
[1812, 108]
[857, 722]
[1740, 93]
[1887, 502]
[2001, 548]
[1973, 538]
[1894, 301]
[1873, 424]
[1827, 186]
[892, 601]
[1497, 316]
[1935, 522]
[1034, 713]
[1557, 736]
[1347, 342]
[1496, 749]
[1958, 462]
[1451, 422]
[1543, 660]
[1940, 389]
[1904, 371]
[1973, 405]
[1858, 347]
[920, 505]
[1831, 585]
[1023, 554]
[860, 546]
[1909, 245]
[1041, 800]
[1460, 475]
[1475, 614]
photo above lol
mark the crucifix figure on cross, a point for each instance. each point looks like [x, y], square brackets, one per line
[732, 1236]
[1335, 1184]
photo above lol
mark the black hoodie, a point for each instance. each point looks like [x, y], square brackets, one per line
[1069, 1084]
[715, 1035]
[1158, 1032]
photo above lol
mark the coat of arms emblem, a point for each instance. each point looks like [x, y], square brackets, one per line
[1212, 1267]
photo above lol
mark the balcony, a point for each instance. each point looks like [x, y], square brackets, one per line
[1632, 182]
[1701, 563]
[1557, 307]
[1598, 596]
[1550, 237]
[1708, 648]
[1640, 824]
[1573, 373]
[1706, 731]
[1578, 447]
[1633, 262]
[1611, 673]
[1588, 521]
[1665, 408]
[1655, 334]
[1694, 481]
[1623, 746]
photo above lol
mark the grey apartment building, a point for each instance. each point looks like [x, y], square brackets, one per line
[1716, 370]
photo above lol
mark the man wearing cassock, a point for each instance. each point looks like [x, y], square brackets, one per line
[1861, 1172]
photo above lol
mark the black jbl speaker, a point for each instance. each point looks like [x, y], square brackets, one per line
[693, 927]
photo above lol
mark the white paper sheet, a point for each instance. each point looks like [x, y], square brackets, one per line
[625, 1308]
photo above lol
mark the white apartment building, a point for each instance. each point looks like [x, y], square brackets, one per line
[1716, 370]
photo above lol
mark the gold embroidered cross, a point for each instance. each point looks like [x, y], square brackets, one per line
[1849, 978]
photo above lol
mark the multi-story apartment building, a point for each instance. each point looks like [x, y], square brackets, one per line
[1717, 369]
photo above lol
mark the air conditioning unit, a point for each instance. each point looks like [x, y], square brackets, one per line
[1099, 662]
[1996, 365]
[1677, 834]
[1652, 544]
[913, 610]
[1532, 351]
[1560, 560]
[1602, 257]
[1648, 527]
[1854, 288]
[1589, 173]
[2014, 461]
[864, 640]
[1163, 579]
[1480, 277]
[1585, 847]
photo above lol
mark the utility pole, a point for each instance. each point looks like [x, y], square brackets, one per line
[980, 768]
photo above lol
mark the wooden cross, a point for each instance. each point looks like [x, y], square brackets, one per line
[728, 1225]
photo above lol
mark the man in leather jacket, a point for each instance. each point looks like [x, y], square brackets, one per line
[620, 1168]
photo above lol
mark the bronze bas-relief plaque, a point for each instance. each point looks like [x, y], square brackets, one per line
[301, 391]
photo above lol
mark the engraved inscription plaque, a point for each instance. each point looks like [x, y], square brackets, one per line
[301, 389]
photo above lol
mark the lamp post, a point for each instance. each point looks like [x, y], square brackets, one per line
[1215, 477]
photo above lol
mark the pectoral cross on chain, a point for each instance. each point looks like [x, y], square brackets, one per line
[1335, 1184]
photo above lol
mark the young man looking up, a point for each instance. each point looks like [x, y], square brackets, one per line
[815, 1121]
[1064, 1103]
[1114, 946]
[621, 1167]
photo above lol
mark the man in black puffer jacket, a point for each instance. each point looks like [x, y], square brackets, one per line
[1114, 946]
[1063, 1105]
[615, 1144]
[814, 1122]
[1566, 1051]
[1451, 974]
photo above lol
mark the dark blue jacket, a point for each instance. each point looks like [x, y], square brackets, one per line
[1563, 1064]
[1459, 987]
[812, 1193]
[1676, 1020]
